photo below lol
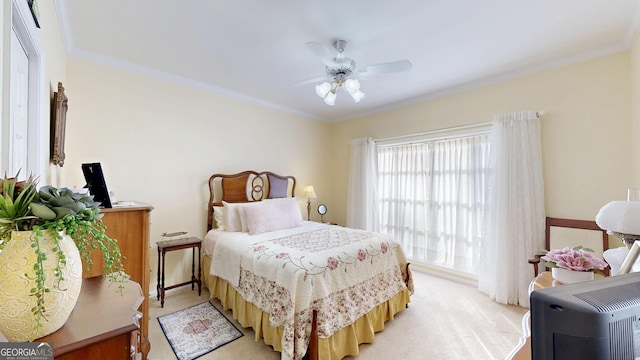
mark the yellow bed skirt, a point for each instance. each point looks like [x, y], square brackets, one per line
[343, 343]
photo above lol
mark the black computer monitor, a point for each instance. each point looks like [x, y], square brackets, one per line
[96, 184]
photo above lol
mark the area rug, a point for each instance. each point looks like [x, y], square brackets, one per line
[197, 330]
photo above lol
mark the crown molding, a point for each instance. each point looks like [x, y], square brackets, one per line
[72, 50]
[62, 11]
[496, 79]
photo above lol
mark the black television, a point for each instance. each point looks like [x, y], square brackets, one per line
[598, 319]
[96, 184]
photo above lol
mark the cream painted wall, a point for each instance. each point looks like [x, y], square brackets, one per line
[159, 142]
[55, 71]
[635, 113]
[585, 130]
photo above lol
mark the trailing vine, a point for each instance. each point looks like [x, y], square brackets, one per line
[56, 212]
[40, 275]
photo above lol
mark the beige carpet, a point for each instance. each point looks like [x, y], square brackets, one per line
[445, 320]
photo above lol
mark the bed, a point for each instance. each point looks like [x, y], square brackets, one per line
[307, 289]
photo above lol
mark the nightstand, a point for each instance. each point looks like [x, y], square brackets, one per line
[178, 244]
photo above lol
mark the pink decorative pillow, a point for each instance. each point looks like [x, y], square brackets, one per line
[272, 215]
[243, 221]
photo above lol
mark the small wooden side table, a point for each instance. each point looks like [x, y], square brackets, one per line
[178, 244]
[523, 349]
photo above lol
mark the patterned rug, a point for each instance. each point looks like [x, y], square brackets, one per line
[197, 330]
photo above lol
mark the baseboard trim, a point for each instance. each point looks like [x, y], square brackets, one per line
[154, 294]
[444, 273]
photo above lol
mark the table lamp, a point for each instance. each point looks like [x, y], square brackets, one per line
[309, 193]
[622, 219]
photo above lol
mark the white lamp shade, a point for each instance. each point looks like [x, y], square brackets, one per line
[323, 89]
[309, 192]
[357, 96]
[330, 99]
[352, 85]
[620, 216]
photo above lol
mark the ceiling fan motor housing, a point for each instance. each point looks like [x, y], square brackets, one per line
[340, 45]
[342, 70]
[342, 66]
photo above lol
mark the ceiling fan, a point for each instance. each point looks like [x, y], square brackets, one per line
[341, 71]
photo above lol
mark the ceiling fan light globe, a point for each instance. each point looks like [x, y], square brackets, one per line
[323, 89]
[330, 99]
[352, 85]
[357, 96]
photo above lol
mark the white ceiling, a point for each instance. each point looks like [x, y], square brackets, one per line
[255, 49]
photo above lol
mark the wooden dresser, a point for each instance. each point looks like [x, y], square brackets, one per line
[130, 226]
[102, 325]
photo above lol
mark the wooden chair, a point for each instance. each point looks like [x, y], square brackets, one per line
[560, 233]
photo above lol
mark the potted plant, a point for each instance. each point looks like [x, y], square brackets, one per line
[47, 232]
[573, 265]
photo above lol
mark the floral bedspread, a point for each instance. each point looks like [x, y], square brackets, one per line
[342, 273]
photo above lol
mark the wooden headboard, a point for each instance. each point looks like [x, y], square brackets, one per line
[247, 186]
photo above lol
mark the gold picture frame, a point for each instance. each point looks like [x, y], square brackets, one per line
[59, 108]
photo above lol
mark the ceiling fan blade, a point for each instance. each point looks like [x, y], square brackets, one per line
[312, 80]
[322, 51]
[386, 68]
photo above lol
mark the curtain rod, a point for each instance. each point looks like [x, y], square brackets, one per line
[431, 132]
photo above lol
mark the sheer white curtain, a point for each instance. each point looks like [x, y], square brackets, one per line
[362, 196]
[514, 227]
[458, 175]
[432, 199]
[402, 180]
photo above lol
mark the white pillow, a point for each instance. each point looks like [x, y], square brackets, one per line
[272, 215]
[220, 218]
[232, 216]
[243, 222]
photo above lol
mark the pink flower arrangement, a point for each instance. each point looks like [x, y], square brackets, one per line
[578, 259]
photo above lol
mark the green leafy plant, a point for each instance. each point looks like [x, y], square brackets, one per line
[59, 211]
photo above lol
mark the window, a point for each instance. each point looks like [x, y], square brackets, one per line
[22, 144]
[432, 197]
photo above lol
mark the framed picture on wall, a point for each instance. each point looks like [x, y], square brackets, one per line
[58, 123]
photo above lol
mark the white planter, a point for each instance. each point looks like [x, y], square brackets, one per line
[17, 279]
[570, 276]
